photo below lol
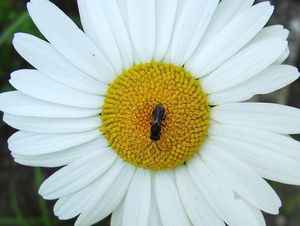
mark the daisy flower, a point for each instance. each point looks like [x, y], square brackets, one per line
[143, 109]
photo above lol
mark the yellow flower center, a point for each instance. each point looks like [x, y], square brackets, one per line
[155, 115]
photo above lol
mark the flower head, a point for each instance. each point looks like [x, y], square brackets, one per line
[143, 111]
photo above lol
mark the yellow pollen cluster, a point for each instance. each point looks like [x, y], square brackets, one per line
[127, 115]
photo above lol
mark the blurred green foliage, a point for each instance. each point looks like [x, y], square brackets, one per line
[13, 18]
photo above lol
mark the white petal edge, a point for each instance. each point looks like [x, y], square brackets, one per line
[72, 205]
[235, 212]
[283, 57]
[258, 214]
[77, 174]
[69, 40]
[225, 12]
[141, 20]
[117, 215]
[244, 65]
[165, 20]
[106, 201]
[154, 217]
[170, 207]
[240, 178]
[64, 157]
[118, 26]
[273, 78]
[195, 204]
[267, 163]
[37, 85]
[272, 141]
[269, 32]
[28, 144]
[190, 26]
[138, 199]
[237, 33]
[272, 32]
[44, 57]
[17, 103]
[98, 30]
[52, 125]
[265, 116]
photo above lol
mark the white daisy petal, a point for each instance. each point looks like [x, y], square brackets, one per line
[141, 19]
[29, 144]
[273, 32]
[171, 210]
[154, 217]
[103, 203]
[270, 32]
[235, 212]
[196, 206]
[193, 20]
[72, 205]
[35, 84]
[60, 203]
[97, 29]
[225, 12]
[273, 78]
[180, 6]
[118, 27]
[52, 125]
[241, 178]
[165, 19]
[17, 103]
[122, 5]
[230, 39]
[138, 200]
[69, 40]
[267, 163]
[283, 56]
[244, 65]
[117, 215]
[46, 59]
[64, 157]
[272, 141]
[77, 174]
[259, 215]
[271, 117]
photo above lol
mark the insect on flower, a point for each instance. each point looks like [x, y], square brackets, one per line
[158, 115]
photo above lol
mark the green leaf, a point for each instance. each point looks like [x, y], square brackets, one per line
[15, 206]
[10, 30]
[46, 220]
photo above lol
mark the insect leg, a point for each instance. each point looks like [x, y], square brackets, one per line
[148, 145]
[157, 146]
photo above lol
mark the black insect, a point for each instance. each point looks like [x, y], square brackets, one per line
[158, 115]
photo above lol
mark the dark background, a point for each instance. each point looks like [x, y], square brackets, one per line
[20, 204]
